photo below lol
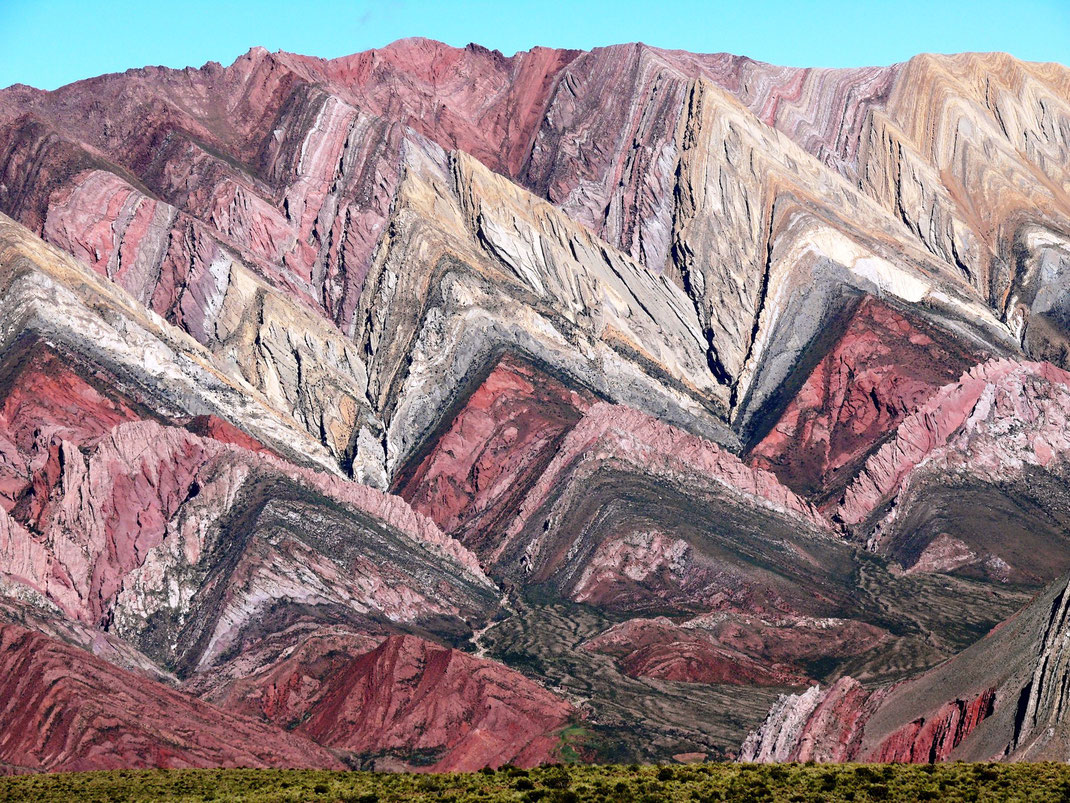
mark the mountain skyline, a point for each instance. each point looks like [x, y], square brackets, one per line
[431, 409]
[88, 39]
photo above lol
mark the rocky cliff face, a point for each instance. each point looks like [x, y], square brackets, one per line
[75, 712]
[431, 408]
[999, 699]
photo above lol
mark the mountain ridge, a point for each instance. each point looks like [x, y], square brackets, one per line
[636, 393]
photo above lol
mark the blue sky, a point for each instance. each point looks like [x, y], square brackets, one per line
[47, 43]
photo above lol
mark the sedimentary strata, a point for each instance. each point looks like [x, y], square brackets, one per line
[432, 408]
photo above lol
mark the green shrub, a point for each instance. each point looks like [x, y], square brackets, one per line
[709, 783]
[556, 778]
[878, 791]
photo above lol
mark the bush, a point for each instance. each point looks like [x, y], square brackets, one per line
[878, 791]
[556, 778]
[866, 773]
[950, 783]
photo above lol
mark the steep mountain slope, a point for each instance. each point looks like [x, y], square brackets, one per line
[1000, 699]
[431, 408]
[65, 710]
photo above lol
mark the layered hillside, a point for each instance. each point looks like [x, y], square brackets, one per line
[429, 408]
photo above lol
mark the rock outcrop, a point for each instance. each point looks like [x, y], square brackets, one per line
[431, 408]
[999, 699]
[402, 702]
[830, 726]
[732, 648]
[65, 710]
[410, 697]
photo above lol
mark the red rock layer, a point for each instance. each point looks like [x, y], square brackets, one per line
[658, 649]
[62, 709]
[973, 424]
[732, 648]
[280, 682]
[410, 696]
[881, 369]
[41, 400]
[45, 400]
[495, 448]
[210, 426]
[832, 726]
[932, 739]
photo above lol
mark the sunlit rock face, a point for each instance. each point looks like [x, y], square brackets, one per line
[429, 408]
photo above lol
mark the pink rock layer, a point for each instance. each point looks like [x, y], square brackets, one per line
[882, 368]
[984, 411]
[609, 433]
[494, 449]
[62, 709]
[103, 514]
[409, 695]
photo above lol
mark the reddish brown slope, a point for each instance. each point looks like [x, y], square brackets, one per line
[470, 99]
[882, 368]
[407, 698]
[474, 476]
[62, 709]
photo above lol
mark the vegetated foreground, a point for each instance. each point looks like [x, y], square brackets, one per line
[1035, 782]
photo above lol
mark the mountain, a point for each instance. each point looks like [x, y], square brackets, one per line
[428, 408]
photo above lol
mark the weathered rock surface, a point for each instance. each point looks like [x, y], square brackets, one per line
[611, 520]
[727, 647]
[659, 649]
[988, 448]
[277, 173]
[731, 376]
[133, 533]
[830, 725]
[49, 296]
[496, 447]
[64, 710]
[882, 368]
[396, 701]
[411, 697]
[1000, 699]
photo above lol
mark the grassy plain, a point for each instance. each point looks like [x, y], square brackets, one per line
[1037, 783]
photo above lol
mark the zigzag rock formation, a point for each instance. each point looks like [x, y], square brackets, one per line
[432, 409]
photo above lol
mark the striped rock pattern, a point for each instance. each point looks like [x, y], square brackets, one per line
[430, 408]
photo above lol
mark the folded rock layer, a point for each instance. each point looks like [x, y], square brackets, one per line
[428, 408]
